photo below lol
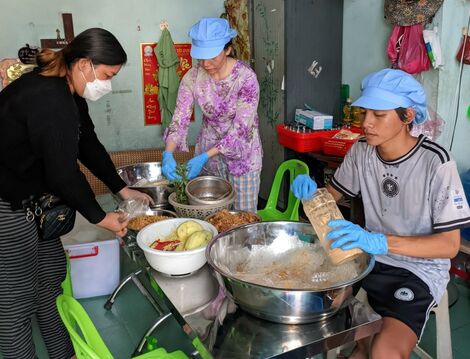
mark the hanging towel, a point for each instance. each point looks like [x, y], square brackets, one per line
[168, 78]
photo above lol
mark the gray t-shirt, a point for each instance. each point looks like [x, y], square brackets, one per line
[419, 193]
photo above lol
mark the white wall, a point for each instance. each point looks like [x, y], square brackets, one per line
[365, 36]
[122, 127]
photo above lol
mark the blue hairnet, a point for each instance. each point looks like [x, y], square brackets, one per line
[209, 36]
[389, 89]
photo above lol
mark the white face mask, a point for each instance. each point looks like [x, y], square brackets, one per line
[97, 88]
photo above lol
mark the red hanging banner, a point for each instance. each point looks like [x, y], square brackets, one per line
[152, 114]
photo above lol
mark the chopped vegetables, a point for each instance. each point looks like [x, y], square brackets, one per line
[165, 245]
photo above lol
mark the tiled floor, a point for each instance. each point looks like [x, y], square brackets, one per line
[459, 323]
[122, 327]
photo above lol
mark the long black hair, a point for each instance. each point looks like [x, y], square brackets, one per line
[96, 44]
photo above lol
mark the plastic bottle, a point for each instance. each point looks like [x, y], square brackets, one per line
[347, 112]
[320, 209]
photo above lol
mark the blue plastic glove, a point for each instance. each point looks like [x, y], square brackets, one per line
[347, 235]
[169, 166]
[303, 187]
[196, 164]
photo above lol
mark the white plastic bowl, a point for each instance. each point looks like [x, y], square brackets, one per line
[172, 262]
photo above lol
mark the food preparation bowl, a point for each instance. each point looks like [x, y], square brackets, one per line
[173, 263]
[208, 190]
[199, 211]
[290, 306]
[256, 218]
[147, 177]
[154, 212]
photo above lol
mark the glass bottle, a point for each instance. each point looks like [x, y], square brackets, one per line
[357, 115]
[347, 112]
[320, 209]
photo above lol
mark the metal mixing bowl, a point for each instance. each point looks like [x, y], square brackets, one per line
[289, 306]
[147, 177]
[206, 190]
[255, 216]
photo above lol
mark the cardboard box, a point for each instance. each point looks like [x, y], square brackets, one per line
[314, 119]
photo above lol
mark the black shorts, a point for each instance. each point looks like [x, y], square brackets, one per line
[398, 293]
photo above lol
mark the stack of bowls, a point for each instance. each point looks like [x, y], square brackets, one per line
[208, 190]
[206, 195]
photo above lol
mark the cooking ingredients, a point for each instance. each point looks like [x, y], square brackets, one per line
[140, 222]
[302, 266]
[180, 184]
[185, 229]
[320, 209]
[197, 239]
[224, 220]
[187, 236]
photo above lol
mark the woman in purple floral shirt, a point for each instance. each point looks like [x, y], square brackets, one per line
[227, 91]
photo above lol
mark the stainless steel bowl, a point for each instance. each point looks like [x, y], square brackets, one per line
[256, 216]
[289, 306]
[207, 190]
[154, 212]
[147, 177]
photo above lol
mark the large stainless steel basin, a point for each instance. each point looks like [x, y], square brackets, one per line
[289, 306]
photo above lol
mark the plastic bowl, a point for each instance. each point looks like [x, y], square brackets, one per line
[169, 262]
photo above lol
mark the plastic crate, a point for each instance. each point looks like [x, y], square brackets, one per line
[299, 141]
[336, 146]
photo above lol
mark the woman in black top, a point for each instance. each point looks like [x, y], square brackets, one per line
[44, 129]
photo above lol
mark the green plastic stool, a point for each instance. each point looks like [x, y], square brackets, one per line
[270, 212]
[89, 345]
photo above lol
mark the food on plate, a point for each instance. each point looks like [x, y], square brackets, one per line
[187, 228]
[197, 239]
[140, 222]
[224, 220]
[188, 235]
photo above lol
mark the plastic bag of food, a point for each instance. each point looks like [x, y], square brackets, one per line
[133, 207]
[346, 135]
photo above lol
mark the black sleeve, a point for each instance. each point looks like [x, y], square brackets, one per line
[93, 154]
[53, 130]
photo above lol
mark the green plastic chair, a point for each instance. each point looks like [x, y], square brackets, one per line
[270, 212]
[67, 283]
[89, 344]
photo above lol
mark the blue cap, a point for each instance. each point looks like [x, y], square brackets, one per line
[389, 89]
[209, 36]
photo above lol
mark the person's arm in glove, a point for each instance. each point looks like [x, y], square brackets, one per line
[169, 166]
[347, 235]
[196, 164]
[303, 187]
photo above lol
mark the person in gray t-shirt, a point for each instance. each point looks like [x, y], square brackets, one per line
[414, 207]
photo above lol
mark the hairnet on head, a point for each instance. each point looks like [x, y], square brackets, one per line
[389, 89]
[209, 36]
